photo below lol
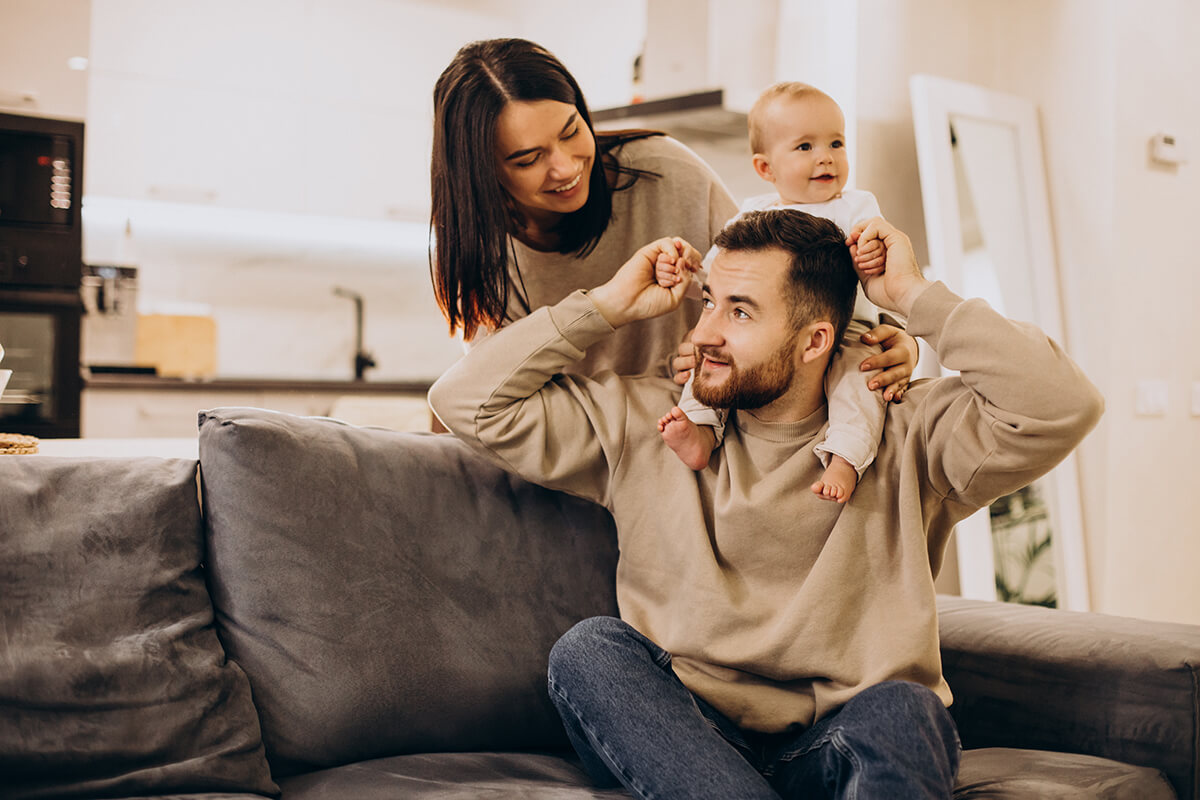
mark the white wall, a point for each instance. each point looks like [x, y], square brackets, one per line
[1106, 75]
[1153, 488]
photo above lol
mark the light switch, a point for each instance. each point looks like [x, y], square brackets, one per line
[1196, 398]
[1151, 398]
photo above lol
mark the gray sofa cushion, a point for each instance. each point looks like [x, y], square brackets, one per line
[112, 679]
[452, 776]
[998, 773]
[391, 592]
[1122, 689]
[990, 774]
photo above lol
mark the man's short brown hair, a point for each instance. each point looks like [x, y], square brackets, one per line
[820, 282]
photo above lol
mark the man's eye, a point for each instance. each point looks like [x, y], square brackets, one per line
[740, 313]
[706, 303]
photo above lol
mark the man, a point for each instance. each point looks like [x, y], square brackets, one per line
[770, 643]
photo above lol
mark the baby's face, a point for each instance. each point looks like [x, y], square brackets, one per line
[805, 149]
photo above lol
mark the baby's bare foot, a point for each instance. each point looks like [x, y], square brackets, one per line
[838, 482]
[691, 442]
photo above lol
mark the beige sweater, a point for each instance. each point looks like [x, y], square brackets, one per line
[688, 200]
[776, 606]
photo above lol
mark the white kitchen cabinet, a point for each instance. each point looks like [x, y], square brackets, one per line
[316, 108]
[190, 143]
[142, 414]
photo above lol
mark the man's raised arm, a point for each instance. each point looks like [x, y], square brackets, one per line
[1027, 405]
[508, 398]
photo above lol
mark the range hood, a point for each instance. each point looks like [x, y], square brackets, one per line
[698, 115]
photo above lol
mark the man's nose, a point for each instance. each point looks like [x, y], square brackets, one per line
[707, 333]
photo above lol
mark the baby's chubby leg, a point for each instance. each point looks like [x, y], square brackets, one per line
[691, 442]
[856, 417]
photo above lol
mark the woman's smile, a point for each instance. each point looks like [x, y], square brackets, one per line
[569, 186]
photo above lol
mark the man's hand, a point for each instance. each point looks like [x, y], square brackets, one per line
[901, 281]
[635, 293]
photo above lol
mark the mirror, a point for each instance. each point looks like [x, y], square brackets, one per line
[988, 225]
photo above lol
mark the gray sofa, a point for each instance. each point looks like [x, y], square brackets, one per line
[346, 612]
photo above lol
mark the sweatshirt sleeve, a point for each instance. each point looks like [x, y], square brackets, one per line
[508, 399]
[1017, 408]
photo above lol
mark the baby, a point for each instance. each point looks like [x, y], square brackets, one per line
[797, 136]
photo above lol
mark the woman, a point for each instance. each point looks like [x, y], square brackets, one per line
[530, 204]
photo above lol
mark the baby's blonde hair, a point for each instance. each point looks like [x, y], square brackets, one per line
[792, 89]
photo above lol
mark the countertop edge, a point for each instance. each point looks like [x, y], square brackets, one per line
[153, 383]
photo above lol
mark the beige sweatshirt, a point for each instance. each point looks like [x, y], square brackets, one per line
[776, 606]
[687, 200]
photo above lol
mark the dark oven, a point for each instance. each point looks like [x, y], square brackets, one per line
[40, 334]
[41, 236]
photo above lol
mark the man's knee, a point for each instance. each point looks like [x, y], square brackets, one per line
[906, 707]
[913, 697]
[577, 647]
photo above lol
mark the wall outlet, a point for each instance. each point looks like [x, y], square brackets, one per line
[1152, 398]
[1166, 148]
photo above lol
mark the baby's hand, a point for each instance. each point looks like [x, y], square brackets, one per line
[869, 256]
[666, 270]
[672, 264]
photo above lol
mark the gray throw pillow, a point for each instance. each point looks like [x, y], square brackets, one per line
[391, 593]
[112, 679]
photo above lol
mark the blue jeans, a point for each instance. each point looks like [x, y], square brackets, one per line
[633, 722]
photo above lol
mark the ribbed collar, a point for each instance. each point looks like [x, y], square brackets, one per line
[799, 431]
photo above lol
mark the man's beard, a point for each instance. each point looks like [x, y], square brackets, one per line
[754, 387]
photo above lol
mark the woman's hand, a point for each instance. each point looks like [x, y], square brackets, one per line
[898, 360]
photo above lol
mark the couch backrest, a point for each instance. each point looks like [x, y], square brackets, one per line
[391, 592]
[1045, 679]
[112, 680]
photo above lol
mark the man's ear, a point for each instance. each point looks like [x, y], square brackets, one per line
[763, 167]
[817, 341]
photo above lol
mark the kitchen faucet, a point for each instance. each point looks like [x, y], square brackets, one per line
[362, 359]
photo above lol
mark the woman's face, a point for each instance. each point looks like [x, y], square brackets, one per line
[544, 156]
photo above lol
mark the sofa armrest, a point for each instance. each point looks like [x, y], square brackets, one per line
[1045, 679]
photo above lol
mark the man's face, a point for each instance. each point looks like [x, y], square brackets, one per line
[751, 387]
[745, 343]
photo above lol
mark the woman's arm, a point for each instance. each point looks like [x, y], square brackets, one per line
[898, 360]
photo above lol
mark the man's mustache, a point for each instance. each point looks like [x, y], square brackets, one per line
[712, 354]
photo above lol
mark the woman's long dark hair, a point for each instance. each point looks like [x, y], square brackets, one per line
[472, 214]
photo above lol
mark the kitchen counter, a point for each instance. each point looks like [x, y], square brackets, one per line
[155, 383]
[120, 448]
[123, 406]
